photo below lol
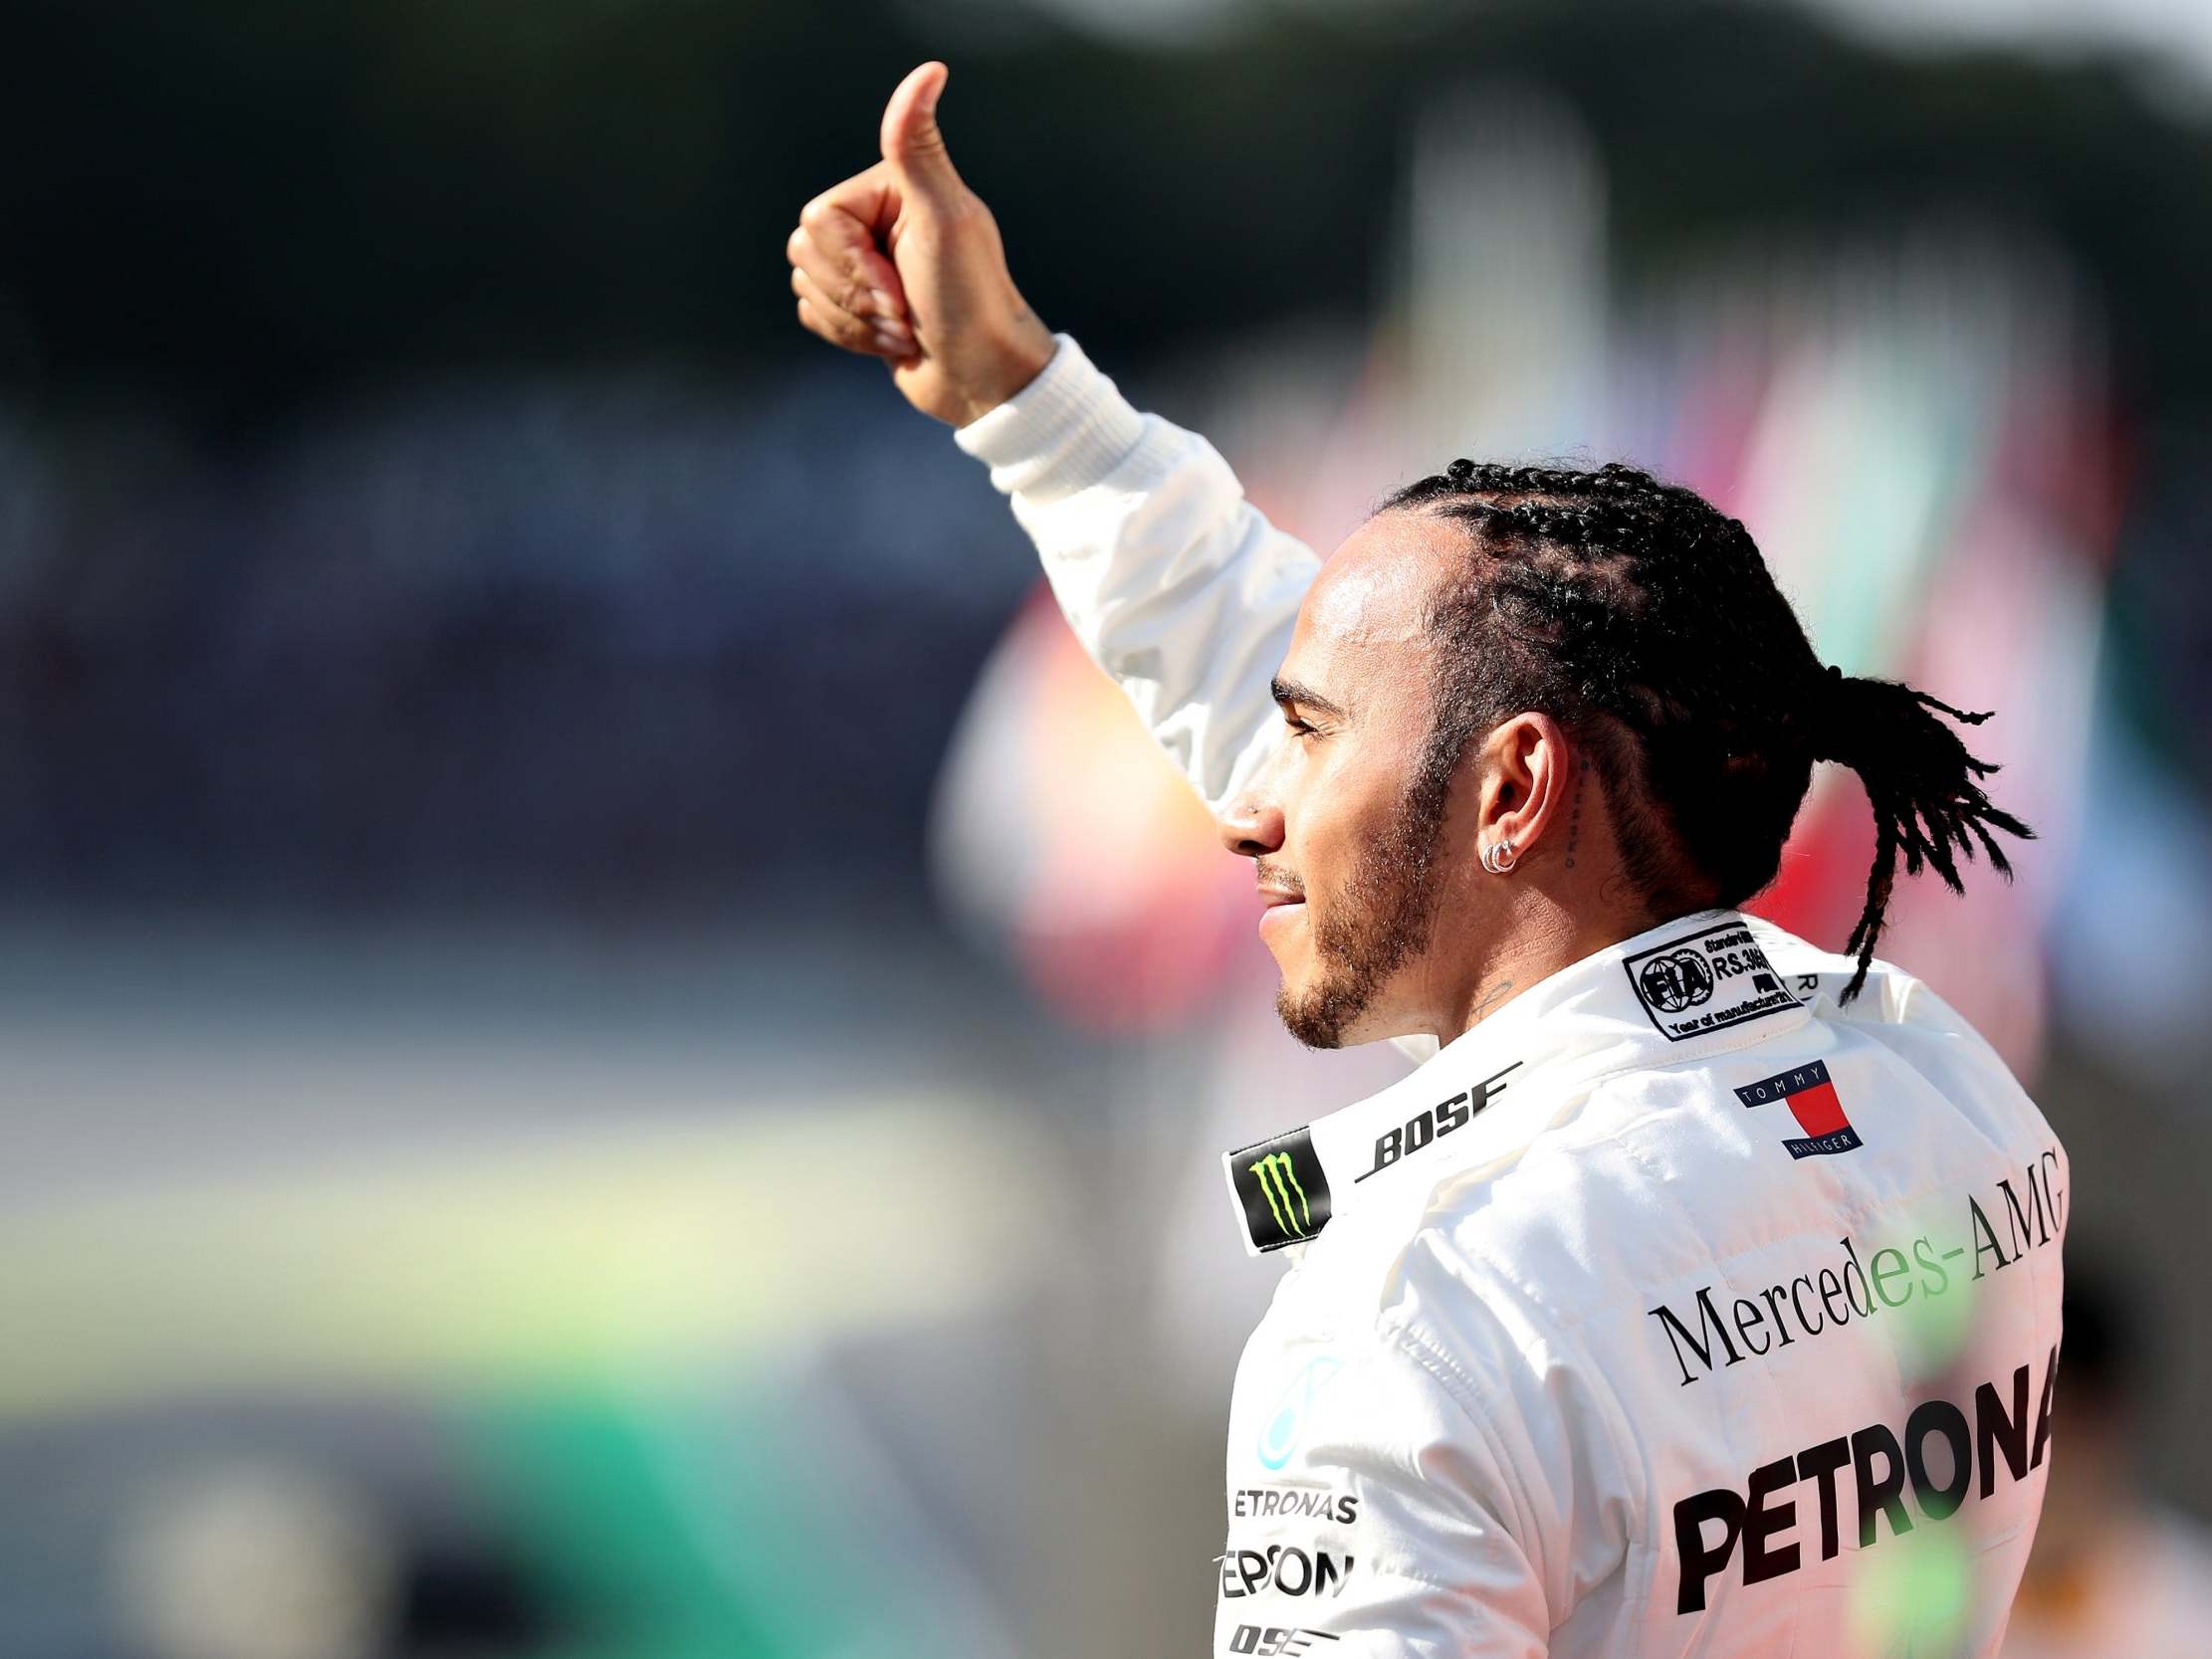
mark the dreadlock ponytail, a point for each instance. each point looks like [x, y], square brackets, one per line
[1924, 787]
[1646, 619]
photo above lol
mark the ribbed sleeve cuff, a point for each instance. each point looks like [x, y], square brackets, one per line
[1063, 432]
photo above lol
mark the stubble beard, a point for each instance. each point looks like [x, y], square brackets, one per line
[1383, 920]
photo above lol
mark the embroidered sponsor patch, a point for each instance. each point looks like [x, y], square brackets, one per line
[1707, 980]
[1283, 1190]
[1423, 1127]
[1813, 1100]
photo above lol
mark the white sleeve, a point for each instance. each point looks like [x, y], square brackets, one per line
[1415, 1551]
[1174, 583]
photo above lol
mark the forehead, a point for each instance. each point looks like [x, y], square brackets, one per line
[1363, 615]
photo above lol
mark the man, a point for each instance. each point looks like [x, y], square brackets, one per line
[1700, 1292]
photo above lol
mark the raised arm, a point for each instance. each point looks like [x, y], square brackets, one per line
[1174, 583]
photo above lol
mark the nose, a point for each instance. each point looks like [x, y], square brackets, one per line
[1251, 827]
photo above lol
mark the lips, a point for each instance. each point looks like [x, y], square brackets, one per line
[1277, 907]
[1281, 905]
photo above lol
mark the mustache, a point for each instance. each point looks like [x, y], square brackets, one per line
[1276, 876]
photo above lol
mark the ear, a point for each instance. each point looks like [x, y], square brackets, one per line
[1530, 763]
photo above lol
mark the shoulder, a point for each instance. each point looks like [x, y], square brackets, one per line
[1919, 1034]
[1817, 977]
[1482, 1281]
[1890, 995]
[1539, 1210]
[1512, 1250]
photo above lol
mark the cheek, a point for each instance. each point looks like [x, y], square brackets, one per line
[1341, 810]
[1336, 817]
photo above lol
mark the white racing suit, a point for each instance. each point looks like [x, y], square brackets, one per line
[1670, 1310]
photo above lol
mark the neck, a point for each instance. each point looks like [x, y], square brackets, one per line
[1537, 939]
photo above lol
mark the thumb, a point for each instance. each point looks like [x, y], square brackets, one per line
[912, 143]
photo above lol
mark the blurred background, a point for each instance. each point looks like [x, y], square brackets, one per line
[614, 1045]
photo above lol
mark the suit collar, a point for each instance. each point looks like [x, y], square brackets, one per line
[1671, 993]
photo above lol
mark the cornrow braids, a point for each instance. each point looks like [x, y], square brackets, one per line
[1644, 619]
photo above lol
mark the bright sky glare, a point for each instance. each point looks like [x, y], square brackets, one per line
[2173, 35]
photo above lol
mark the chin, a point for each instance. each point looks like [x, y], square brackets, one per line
[1322, 1014]
[1325, 1011]
[1301, 1020]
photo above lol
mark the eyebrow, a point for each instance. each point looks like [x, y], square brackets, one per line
[1289, 691]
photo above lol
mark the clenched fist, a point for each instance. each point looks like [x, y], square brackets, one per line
[903, 262]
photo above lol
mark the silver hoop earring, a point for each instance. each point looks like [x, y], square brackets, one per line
[1498, 858]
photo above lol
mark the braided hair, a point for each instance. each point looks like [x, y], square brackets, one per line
[1646, 621]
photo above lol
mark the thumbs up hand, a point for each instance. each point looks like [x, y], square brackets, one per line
[904, 261]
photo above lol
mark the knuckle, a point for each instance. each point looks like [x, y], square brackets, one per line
[831, 324]
[794, 244]
[816, 214]
[834, 316]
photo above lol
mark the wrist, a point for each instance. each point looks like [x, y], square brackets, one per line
[1011, 370]
[1067, 429]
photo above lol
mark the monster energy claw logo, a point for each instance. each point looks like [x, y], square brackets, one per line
[1281, 1189]
[1286, 1197]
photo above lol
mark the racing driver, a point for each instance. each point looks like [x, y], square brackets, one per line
[1698, 1292]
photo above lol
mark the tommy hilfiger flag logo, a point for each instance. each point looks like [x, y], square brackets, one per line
[1813, 1100]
